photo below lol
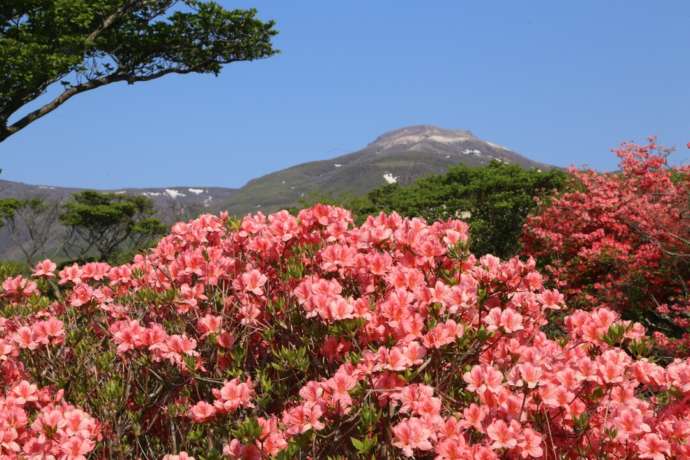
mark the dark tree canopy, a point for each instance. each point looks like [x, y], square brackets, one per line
[86, 44]
[494, 200]
[108, 222]
[8, 208]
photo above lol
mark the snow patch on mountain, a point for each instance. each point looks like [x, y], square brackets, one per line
[390, 178]
[172, 193]
[496, 145]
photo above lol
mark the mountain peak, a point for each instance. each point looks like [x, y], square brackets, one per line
[420, 133]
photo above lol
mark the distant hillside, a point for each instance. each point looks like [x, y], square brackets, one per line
[401, 156]
[172, 204]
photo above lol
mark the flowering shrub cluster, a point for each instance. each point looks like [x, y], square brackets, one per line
[307, 337]
[623, 241]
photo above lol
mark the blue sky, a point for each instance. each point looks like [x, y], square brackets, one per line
[559, 81]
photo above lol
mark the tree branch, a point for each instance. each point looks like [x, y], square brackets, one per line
[23, 99]
[110, 20]
[7, 131]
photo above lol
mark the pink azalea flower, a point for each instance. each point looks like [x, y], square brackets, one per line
[45, 268]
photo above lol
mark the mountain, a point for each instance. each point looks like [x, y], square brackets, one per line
[400, 156]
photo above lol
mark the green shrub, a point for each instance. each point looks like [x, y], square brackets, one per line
[494, 200]
[10, 268]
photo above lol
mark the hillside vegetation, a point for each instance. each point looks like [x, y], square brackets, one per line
[494, 199]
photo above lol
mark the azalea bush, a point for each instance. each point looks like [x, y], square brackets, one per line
[622, 240]
[309, 337]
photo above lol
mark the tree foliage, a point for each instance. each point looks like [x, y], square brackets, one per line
[109, 222]
[86, 44]
[8, 206]
[494, 200]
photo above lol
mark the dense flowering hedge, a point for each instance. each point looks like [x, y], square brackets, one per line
[307, 337]
[623, 241]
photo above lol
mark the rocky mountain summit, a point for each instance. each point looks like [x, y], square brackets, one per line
[414, 135]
